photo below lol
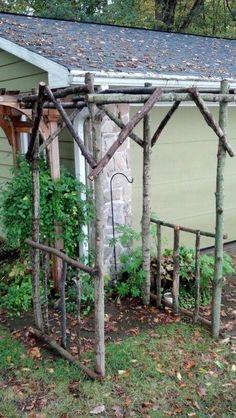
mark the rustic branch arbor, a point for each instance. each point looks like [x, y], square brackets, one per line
[45, 101]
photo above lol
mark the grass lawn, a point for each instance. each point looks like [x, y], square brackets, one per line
[175, 371]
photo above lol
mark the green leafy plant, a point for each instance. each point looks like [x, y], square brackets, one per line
[187, 274]
[16, 288]
[132, 275]
[61, 202]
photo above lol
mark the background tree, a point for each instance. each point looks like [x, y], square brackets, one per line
[209, 17]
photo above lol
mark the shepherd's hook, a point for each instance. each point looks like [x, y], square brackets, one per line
[112, 213]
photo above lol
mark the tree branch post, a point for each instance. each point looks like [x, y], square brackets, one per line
[211, 121]
[125, 132]
[38, 111]
[99, 238]
[164, 122]
[71, 128]
[38, 317]
[146, 215]
[175, 290]
[197, 278]
[63, 305]
[158, 276]
[219, 227]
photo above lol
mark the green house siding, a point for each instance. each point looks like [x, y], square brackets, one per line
[15, 74]
[66, 149]
[183, 173]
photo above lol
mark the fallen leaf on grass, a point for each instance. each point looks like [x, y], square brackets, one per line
[134, 331]
[233, 368]
[123, 373]
[35, 353]
[50, 370]
[118, 412]
[127, 401]
[179, 377]
[201, 391]
[189, 364]
[98, 410]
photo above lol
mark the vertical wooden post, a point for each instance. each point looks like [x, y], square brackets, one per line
[158, 276]
[54, 159]
[99, 239]
[78, 286]
[38, 318]
[146, 215]
[175, 290]
[197, 278]
[219, 227]
[63, 305]
[46, 274]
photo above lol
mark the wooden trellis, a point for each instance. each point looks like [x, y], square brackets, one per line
[86, 96]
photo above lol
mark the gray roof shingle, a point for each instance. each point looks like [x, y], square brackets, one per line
[89, 46]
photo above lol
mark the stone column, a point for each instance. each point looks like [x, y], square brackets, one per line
[121, 188]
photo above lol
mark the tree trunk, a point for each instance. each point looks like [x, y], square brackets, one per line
[219, 228]
[198, 4]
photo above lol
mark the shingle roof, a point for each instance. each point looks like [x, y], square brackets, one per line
[89, 46]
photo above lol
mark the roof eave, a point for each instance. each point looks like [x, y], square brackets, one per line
[58, 75]
[113, 78]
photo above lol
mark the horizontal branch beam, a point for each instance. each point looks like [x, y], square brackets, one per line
[98, 98]
[211, 121]
[183, 311]
[59, 94]
[71, 129]
[184, 228]
[120, 124]
[62, 352]
[164, 122]
[63, 256]
[125, 132]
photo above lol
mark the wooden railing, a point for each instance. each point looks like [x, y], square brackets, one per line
[176, 265]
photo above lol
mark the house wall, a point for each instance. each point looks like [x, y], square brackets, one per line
[15, 74]
[183, 174]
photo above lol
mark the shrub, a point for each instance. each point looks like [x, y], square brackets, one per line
[60, 202]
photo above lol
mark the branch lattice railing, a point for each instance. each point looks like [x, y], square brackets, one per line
[176, 269]
[40, 333]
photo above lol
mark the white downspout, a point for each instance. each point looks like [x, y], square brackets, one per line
[80, 171]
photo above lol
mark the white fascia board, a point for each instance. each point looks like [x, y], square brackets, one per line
[58, 75]
[138, 79]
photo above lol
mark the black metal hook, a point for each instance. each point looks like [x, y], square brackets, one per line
[112, 212]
